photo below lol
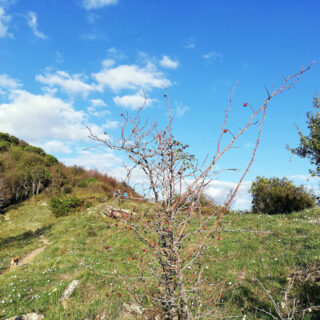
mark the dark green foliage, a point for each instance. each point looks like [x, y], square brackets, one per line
[35, 150]
[62, 206]
[306, 292]
[4, 136]
[50, 160]
[4, 145]
[85, 183]
[67, 190]
[14, 140]
[274, 195]
[310, 145]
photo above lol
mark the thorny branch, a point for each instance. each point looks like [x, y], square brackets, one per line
[177, 182]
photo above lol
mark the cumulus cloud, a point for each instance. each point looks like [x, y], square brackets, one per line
[213, 55]
[132, 102]
[56, 146]
[71, 84]
[166, 62]
[4, 24]
[95, 4]
[106, 162]
[8, 83]
[221, 190]
[96, 106]
[97, 103]
[35, 117]
[131, 77]
[33, 24]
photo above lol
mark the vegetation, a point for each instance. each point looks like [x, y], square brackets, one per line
[272, 248]
[62, 206]
[274, 195]
[26, 170]
[309, 146]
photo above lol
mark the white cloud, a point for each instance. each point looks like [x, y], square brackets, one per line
[56, 146]
[111, 125]
[220, 191]
[131, 77]
[166, 62]
[106, 162]
[4, 24]
[71, 84]
[107, 63]
[213, 55]
[132, 101]
[97, 103]
[8, 83]
[33, 24]
[181, 110]
[95, 4]
[42, 117]
[189, 44]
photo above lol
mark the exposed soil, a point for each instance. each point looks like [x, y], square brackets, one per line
[31, 255]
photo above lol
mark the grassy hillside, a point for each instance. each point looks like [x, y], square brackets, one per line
[104, 256]
[26, 170]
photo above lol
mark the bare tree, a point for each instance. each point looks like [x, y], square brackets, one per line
[176, 181]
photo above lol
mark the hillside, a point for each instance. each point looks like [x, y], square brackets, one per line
[104, 257]
[27, 170]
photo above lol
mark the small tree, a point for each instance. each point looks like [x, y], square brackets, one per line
[310, 145]
[175, 183]
[274, 195]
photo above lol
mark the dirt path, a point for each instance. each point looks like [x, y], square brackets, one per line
[30, 256]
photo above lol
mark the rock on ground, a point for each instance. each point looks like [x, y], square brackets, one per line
[28, 316]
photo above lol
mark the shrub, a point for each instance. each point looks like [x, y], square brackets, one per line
[62, 206]
[85, 183]
[4, 145]
[35, 150]
[50, 160]
[4, 136]
[276, 195]
[67, 189]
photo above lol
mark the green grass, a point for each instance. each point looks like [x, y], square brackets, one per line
[76, 251]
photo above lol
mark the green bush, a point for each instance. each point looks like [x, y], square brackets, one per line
[67, 189]
[276, 195]
[50, 160]
[85, 183]
[4, 136]
[4, 145]
[35, 150]
[62, 206]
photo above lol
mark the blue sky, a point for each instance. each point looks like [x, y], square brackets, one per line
[69, 64]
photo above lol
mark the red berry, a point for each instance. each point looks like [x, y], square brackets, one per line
[111, 260]
[128, 229]
[106, 247]
[204, 228]
[225, 130]
[119, 295]
[121, 114]
[221, 295]
[144, 250]
[245, 104]
[154, 244]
